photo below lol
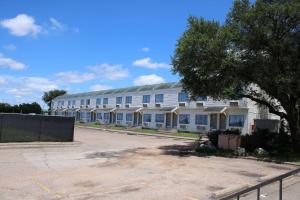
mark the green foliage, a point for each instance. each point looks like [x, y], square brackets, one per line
[50, 95]
[21, 108]
[254, 54]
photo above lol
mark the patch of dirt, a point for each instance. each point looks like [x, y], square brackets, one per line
[214, 188]
[250, 174]
[111, 154]
[86, 184]
[129, 189]
[280, 167]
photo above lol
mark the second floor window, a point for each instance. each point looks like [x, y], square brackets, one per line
[183, 96]
[119, 116]
[88, 102]
[69, 103]
[98, 101]
[105, 101]
[146, 98]
[159, 98]
[118, 100]
[82, 102]
[128, 99]
[73, 103]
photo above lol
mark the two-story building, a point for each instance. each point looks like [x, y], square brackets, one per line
[159, 106]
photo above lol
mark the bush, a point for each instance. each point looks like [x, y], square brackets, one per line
[270, 141]
[213, 137]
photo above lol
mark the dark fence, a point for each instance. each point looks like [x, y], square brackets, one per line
[29, 128]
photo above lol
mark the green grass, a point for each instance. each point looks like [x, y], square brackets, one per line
[186, 134]
[143, 130]
[118, 128]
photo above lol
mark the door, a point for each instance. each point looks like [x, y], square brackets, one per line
[168, 120]
[222, 121]
[213, 121]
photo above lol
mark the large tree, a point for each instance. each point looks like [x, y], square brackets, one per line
[50, 95]
[254, 54]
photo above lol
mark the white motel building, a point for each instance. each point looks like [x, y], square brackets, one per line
[160, 106]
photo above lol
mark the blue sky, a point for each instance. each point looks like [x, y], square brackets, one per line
[91, 45]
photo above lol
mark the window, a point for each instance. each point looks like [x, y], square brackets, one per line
[159, 98]
[184, 119]
[118, 100]
[82, 102]
[98, 101]
[160, 118]
[201, 119]
[201, 98]
[128, 99]
[106, 116]
[128, 117]
[147, 118]
[82, 114]
[183, 96]
[146, 98]
[119, 116]
[105, 100]
[73, 103]
[69, 103]
[88, 102]
[99, 116]
[236, 120]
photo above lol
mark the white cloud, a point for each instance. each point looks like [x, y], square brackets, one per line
[146, 49]
[22, 25]
[2, 80]
[74, 77]
[10, 47]
[27, 86]
[98, 87]
[108, 71]
[10, 63]
[148, 63]
[148, 79]
[56, 25]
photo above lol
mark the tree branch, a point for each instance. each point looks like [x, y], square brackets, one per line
[265, 103]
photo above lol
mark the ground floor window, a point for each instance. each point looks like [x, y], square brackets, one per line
[147, 118]
[106, 116]
[119, 116]
[184, 119]
[159, 118]
[201, 119]
[99, 115]
[236, 120]
[128, 117]
[82, 115]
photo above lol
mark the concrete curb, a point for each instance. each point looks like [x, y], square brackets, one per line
[227, 191]
[27, 145]
[271, 161]
[137, 133]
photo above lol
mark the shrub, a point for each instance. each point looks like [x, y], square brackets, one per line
[213, 137]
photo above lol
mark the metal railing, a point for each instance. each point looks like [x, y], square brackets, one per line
[257, 187]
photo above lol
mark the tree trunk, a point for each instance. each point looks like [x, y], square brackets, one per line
[294, 126]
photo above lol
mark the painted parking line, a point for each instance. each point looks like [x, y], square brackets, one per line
[45, 188]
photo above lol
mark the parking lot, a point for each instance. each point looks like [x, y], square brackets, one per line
[104, 165]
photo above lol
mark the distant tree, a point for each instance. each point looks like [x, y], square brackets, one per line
[21, 108]
[255, 54]
[50, 95]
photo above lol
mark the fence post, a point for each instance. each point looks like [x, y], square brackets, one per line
[280, 189]
[258, 193]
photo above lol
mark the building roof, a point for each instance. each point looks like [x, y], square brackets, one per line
[124, 90]
[215, 109]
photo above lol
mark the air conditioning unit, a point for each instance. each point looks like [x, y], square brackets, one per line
[146, 124]
[159, 125]
[72, 106]
[182, 104]
[81, 106]
[183, 127]
[129, 123]
[158, 105]
[97, 106]
[118, 106]
[145, 105]
[127, 105]
[199, 104]
[234, 104]
[86, 106]
[104, 106]
[201, 128]
[68, 107]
